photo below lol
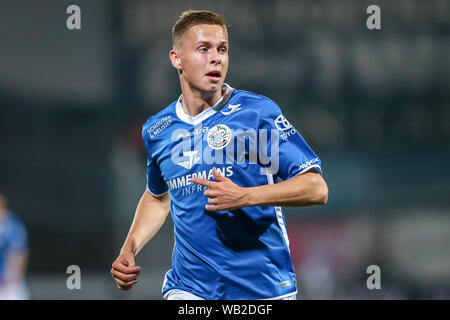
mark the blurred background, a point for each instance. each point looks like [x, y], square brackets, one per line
[373, 104]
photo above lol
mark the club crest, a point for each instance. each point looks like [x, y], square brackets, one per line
[219, 136]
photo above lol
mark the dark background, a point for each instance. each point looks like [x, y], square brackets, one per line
[373, 104]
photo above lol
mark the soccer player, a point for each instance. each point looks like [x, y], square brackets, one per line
[13, 255]
[216, 156]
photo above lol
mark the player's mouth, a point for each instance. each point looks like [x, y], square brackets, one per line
[214, 76]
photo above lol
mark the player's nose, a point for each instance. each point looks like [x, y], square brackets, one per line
[216, 58]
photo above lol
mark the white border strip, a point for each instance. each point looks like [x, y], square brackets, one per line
[193, 120]
[206, 113]
[190, 296]
[310, 167]
[283, 296]
[156, 195]
[278, 211]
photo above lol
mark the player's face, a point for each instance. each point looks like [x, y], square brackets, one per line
[203, 58]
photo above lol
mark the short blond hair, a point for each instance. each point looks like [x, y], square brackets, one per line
[191, 18]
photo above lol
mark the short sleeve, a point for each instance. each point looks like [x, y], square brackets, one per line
[155, 182]
[291, 155]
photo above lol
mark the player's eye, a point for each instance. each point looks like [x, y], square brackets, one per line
[223, 50]
[203, 49]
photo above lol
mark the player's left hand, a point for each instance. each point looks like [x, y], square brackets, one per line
[223, 194]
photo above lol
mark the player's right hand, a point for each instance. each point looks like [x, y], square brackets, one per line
[124, 271]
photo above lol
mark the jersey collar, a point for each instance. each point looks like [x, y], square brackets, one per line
[228, 90]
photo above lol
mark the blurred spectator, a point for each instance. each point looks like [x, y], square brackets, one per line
[13, 255]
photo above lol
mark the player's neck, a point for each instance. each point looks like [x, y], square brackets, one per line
[195, 102]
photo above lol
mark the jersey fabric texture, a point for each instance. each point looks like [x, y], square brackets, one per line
[13, 238]
[226, 255]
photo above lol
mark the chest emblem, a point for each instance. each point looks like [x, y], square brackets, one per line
[233, 108]
[219, 136]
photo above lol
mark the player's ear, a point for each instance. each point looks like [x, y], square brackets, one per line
[175, 59]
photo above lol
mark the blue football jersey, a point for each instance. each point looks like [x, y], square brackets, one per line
[237, 254]
[13, 238]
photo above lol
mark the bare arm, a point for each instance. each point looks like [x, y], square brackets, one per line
[16, 266]
[150, 215]
[303, 190]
